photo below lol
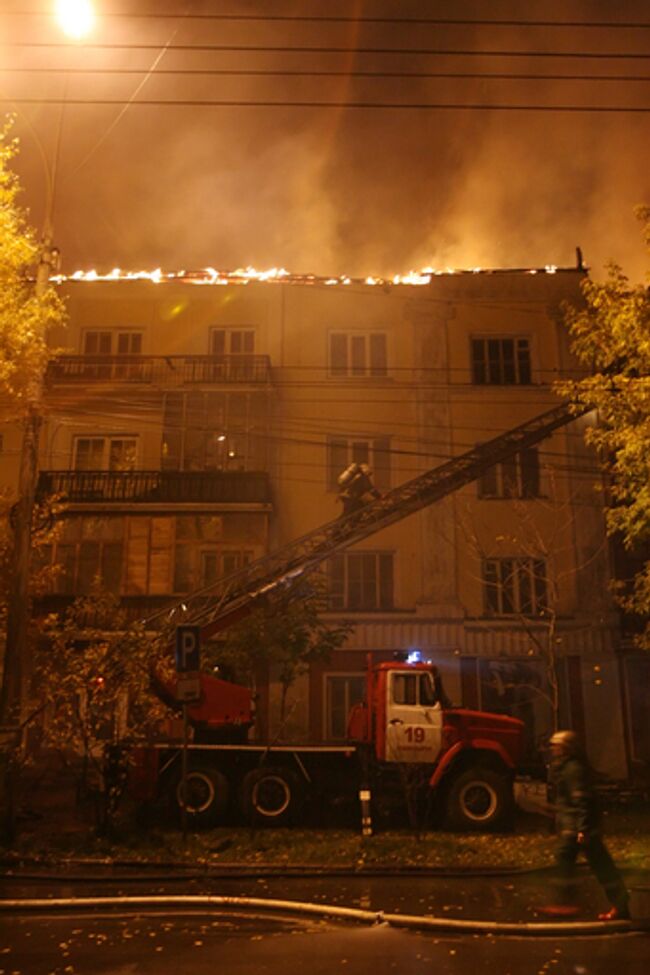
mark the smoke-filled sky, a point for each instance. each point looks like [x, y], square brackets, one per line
[335, 190]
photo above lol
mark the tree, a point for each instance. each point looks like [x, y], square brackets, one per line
[611, 338]
[285, 638]
[93, 675]
[27, 313]
[25, 316]
[545, 573]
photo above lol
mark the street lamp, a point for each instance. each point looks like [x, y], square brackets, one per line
[76, 17]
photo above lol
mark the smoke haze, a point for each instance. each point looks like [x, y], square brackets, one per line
[336, 190]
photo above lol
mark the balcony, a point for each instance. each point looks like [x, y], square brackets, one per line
[163, 371]
[156, 487]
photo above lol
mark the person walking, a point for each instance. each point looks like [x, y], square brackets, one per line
[578, 827]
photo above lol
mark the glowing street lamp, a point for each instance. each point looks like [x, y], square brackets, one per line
[76, 17]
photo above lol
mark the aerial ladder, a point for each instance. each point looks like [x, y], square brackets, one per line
[270, 577]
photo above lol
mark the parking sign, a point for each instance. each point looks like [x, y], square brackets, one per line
[188, 645]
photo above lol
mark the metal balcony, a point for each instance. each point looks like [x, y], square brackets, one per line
[163, 371]
[172, 487]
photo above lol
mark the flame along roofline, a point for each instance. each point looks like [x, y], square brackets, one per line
[250, 275]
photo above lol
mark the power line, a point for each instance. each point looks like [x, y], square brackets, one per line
[391, 106]
[311, 49]
[298, 73]
[334, 19]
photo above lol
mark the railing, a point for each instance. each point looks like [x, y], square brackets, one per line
[165, 371]
[248, 487]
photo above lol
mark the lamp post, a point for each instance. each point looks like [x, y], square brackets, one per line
[75, 18]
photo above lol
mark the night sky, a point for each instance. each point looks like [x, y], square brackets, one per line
[335, 190]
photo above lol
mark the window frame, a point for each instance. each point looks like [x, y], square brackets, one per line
[345, 450]
[341, 590]
[363, 354]
[328, 680]
[495, 483]
[515, 585]
[495, 367]
[114, 336]
[107, 441]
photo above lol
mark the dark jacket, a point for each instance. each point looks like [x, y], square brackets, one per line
[575, 799]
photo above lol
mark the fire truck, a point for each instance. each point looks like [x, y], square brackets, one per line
[406, 742]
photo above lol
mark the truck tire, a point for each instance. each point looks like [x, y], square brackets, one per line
[207, 796]
[271, 797]
[479, 800]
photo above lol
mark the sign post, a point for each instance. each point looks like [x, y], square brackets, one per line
[188, 691]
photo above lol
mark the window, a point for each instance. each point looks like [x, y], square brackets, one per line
[515, 586]
[517, 477]
[201, 557]
[342, 692]
[343, 451]
[361, 581]
[110, 345]
[358, 354]
[116, 342]
[215, 431]
[232, 341]
[215, 565]
[89, 548]
[233, 349]
[415, 689]
[501, 361]
[105, 453]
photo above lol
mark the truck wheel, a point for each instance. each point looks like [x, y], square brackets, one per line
[479, 800]
[206, 796]
[271, 797]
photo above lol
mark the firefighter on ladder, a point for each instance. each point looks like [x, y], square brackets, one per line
[356, 488]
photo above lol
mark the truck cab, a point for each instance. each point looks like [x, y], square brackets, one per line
[466, 757]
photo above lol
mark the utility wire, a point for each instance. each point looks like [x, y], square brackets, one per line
[399, 106]
[363, 19]
[311, 49]
[297, 73]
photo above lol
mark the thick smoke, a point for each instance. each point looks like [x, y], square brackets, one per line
[359, 191]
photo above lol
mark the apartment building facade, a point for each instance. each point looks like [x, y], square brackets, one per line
[195, 423]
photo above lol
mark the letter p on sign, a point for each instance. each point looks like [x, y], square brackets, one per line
[187, 649]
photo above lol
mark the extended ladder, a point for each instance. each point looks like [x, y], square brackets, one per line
[232, 597]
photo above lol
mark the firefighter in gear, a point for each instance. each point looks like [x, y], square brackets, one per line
[356, 488]
[578, 827]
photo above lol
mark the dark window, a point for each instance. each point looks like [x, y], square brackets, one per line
[501, 361]
[515, 586]
[361, 581]
[105, 453]
[82, 563]
[195, 566]
[342, 693]
[517, 477]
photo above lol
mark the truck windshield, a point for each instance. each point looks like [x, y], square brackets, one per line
[414, 689]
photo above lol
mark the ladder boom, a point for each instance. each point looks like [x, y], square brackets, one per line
[234, 596]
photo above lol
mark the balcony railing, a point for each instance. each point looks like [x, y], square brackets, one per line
[166, 371]
[173, 487]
